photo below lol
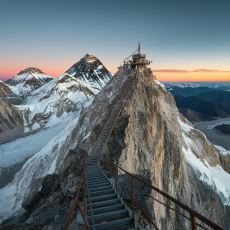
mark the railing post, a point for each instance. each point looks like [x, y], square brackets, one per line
[133, 198]
[116, 178]
[85, 205]
[193, 222]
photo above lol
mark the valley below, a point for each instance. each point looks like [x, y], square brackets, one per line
[213, 134]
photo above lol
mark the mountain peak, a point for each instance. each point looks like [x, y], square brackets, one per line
[28, 80]
[30, 70]
[90, 58]
[91, 72]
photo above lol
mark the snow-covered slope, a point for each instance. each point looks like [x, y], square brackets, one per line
[55, 100]
[69, 93]
[46, 161]
[206, 170]
[91, 72]
[28, 80]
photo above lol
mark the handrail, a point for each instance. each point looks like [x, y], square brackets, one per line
[193, 213]
[90, 205]
[76, 203]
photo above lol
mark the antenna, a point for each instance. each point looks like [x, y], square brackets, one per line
[139, 47]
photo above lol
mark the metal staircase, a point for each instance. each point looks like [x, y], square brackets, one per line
[105, 210]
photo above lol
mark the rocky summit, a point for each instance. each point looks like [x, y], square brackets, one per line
[91, 71]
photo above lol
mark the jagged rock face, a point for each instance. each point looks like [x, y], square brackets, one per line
[11, 120]
[6, 94]
[27, 80]
[91, 71]
[224, 158]
[152, 144]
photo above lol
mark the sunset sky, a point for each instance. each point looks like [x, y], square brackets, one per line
[187, 40]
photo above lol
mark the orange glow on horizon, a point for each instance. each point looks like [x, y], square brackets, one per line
[203, 74]
[161, 74]
[207, 75]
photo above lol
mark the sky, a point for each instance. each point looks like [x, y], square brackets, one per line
[187, 40]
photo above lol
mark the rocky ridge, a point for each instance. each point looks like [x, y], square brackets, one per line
[11, 120]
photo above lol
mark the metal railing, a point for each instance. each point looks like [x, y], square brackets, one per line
[80, 202]
[135, 189]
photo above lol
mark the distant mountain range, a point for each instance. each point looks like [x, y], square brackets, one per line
[45, 99]
[201, 101]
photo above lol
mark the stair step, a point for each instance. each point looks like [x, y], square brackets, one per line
[94, 158]
[89, 175]
[95, 174]
[93, 167]
[95, 177]
[114, 207]
[104, 203]
[98, 176]
[88, 169]
[113, 225]
[102, 198]
[109, 216]
[99, 185]
[101, 193]
[94, 182]
[94, 162]
[102, 188]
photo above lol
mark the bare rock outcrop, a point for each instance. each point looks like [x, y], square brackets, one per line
[11, 121]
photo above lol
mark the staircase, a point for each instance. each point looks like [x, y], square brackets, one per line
[105, 210]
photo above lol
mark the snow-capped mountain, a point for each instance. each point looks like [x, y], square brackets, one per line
[28, 80]
[67, 94]
[51, 112]
[57, 98]
[6, 94]
[91, 72]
